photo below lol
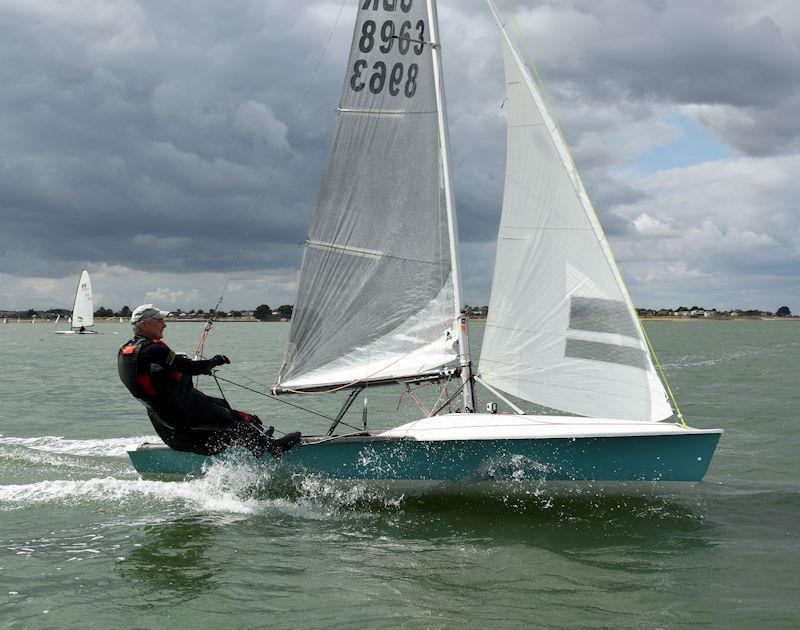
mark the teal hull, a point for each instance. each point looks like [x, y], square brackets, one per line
[668, 458]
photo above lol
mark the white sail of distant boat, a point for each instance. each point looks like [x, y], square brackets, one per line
[82, 318]
[379, 295]
[58, 317]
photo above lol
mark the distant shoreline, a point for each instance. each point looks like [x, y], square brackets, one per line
[169, 320]
[253, 320]
[744, 318]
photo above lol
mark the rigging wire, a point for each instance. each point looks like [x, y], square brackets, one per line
[449, 400]
[282, 400]
[216, 380]
[604, 240]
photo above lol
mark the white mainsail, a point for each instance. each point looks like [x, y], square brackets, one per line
[376, 296]
[562, 331]
[83, 309]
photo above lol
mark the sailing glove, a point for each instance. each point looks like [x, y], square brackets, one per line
[219, 359]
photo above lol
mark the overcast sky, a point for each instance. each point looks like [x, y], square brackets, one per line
[137, 137]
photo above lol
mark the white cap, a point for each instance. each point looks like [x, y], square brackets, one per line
[146, 311]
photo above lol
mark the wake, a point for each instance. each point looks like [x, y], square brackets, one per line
[110, 447]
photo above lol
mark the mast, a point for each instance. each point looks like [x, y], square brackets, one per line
[452, 223]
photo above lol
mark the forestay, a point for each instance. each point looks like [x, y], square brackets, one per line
[562, 331]
[375, 295]
[83, 309]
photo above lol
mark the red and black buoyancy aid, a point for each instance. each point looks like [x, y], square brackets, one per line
[138, 375]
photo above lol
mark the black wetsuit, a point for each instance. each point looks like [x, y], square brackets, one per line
[184, 417]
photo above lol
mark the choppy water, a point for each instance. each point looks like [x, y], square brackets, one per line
[85, 543]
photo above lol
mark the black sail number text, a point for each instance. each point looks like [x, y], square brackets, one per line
[387, 5]
[409, 38]
[405, 36]
[399, 78]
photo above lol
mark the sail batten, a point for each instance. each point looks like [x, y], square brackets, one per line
[376, 291]
[555, 272]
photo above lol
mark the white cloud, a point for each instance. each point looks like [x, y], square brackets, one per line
[648, 226]
[733, 222]
[174, 298]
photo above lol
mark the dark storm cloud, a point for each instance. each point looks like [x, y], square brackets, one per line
[139, 136]
[144, 135]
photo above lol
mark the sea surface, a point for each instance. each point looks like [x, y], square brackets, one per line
[84, 543]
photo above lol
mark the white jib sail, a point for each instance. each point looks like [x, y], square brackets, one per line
[83, 309]
[375, 298]
[561, 331]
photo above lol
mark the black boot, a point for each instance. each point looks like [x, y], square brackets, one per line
[281, 445]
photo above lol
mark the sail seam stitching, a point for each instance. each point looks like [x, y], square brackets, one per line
[542, 227]
[385, 112]
[366, 253]
[560, 334]
[605, 379]
[583, 389]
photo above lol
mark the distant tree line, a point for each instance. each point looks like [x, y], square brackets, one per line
[264, 312]
[699, 311]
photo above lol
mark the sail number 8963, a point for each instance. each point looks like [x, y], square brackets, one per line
[396, 79]
[388, 34]
[399, 77]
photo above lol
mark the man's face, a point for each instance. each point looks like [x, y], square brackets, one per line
[152, 328]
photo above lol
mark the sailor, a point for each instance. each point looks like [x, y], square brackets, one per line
[183, 416]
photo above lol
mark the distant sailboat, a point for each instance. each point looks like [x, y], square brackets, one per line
[83, 309]
[58, 317]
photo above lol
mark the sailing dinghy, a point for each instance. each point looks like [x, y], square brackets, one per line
[82, 310]
[379, 297]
